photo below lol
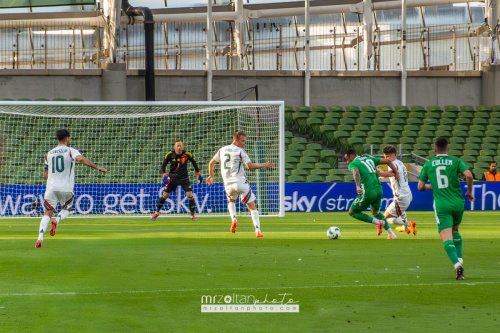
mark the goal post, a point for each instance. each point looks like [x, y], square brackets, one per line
[130, 140]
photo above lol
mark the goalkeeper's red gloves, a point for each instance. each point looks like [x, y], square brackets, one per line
[166, 180]
[200, 178]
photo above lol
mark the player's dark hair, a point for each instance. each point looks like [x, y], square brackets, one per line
[62, 134]
[493, 162]
[389, 149]
[441, 144]
[238, 134]
[177, 140]
[350, 152]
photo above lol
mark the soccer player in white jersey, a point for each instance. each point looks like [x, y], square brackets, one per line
[232, 159]
[396, 212]
[59, 169]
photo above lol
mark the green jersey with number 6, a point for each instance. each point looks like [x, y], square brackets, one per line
[442, 171]
[367, 168]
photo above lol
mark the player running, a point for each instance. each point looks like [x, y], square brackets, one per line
[232, 159]
[396, 212]
[369, 189]
[178, 175]
[59, 169]
[442, 172]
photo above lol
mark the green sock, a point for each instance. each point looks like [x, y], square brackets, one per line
[457, 241]
[381, 216]
[451, 251]
[362, 217]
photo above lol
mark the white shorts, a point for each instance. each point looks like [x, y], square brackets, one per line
[52, 198]
[399, 206]
[241, 189]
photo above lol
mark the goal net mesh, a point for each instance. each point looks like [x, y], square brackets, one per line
[131, 141]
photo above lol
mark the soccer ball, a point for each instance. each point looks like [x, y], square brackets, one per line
[333, 233]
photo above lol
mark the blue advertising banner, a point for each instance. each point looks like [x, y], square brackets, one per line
[142, 198]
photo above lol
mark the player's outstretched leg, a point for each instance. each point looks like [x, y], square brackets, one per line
[158, 208]
[256, 223]
[44, 224]
[192, 208]
[384, 224]
[61, 216]
[231, 208]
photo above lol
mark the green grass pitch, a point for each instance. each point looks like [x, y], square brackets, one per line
[132, 274]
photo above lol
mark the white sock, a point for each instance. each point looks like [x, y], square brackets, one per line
[457, 265]
[375, 221]
[461, 260]
[255, 219]
[44, 224]
[396, 220]
[389, 232]
[62, 215]
[231, 207]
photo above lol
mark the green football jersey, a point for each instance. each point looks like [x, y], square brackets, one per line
[366, 167]
[442, 171]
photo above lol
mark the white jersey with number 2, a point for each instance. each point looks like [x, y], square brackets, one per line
[60, 165]
[233, 160]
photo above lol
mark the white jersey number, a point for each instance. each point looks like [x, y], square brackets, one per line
[442, 180]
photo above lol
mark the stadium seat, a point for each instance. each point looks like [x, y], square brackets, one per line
[483, 108]
[293, 153]
[319, 172]
[311, 153]
[365, 114]
[411, 128]
[379, 128]
[362, 127]
[480, 121]
[485, 158]
[307, 159]
[433, 115]
[446, 121]
[401, 108]
[483, 166]
[335, 108]
[493, 133]
[314, 146]
[424, 140]
[305, 166]
[459, 134]
[434, 108]
[470, 152]
[422, 146]
[444, 128]
[472, 139]
[431, 121]
[490, 139]
[302, 108]
[484, 115]
[348, 121]
[350, 108]
[315, 179]
[467, 159]
[450, 115]
[296, 179]
[407, 140]
[341, 138]
[376, 141]
[319, 108]
[331, 121]
[365, 121]
[453, 152]
[351, 114]
[330, 157]
[445, 134]
[385, 108]
[300, 121]
[488, 146]
[385, 121]
[299, 139]
[345, 127]
[356, 143]
[313, 125]
[334, 179]
[297, 146]
[415, 121]
[461, 128]
[477, 134]
[319, 115]
[335, 115]
[419, 152]
[455, 146]
[337, 172]
[322, 165]
[300, 172]
[400, 115]
[373, 134]
[448, 108]
[390, 141]
[382, 114]
[416, 114]
[430, 128]
[494, 127]
[289, 166]
[349, 179]
[368, 108]
[394, 134]
[289, 111]
[328, 135]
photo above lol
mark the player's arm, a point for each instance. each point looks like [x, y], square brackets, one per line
[45, 169]
[252, 166]
[87, 162]
[357, 179]
[391, 165]
[163, 168]
[211, 167]
[469, 179]
[45, 174]
[385, 174]
[195, 165]
[422, 186]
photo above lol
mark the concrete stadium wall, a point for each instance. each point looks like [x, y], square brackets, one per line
[327, 88]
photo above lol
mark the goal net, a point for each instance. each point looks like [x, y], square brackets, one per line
[130, 140]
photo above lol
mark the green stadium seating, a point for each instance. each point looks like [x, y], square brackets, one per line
[434, 108]
[323, 165]
[335, 108]
[311, 153]
[293, 153]
[300, 121]
[493, 133]
[401, 108]
[445, 134]
[488, 146]
[487, 152]
[300, 172]
[350, 108]
[302, 108]
[485, 158]
[394, 134]
[399, 114]
[365, 114]
[453, 152]
[433, 115]
[470, 152]
[313, 125]
[314, 146]
[289, 166]
[319, 108]
[483, 166]
[461, 128]
[299, 140]
[446, 121]
[385, 121]
[356, 143]
[385, 108]
[351, 114]
[415, 121]
[381, 114]
[422, 146]
[418, 115]
[307, 159]
[472, 139]
[331, 121]
[431, 121]
[407, 140]
[347, 121]
[425, 140]
[444, 128]
[490, 139]
[362, 127]
[430, 128]
[335, 115]
[448, 108]
[480, 121]
[379, 128]
[328, 135]
[390, 141]
[484, 115]
[289, 111]
[477, 134]
[365, 121]
[330, 157]
[412, 128]
[347, 128]
[450, 115]
[483, 108]
[349, 179]
[375, 141]
[334, 179]
[493, 127]
[419, 152]
[417, 108]
[336, 172]
[319, 115]
[341, 138]
[296, 179]
[368, 108]
[315, 179]
[297, 146]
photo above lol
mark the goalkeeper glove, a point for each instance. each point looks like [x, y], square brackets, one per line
[200, 177]
[166, 180]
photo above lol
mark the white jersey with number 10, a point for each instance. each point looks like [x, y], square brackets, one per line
[233, 160]
[60, 165]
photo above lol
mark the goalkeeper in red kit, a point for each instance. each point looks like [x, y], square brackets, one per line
[178, 175]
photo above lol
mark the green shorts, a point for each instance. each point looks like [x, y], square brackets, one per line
[370, 198]
[448, 219]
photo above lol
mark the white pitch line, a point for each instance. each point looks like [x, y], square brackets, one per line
[70, 293]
